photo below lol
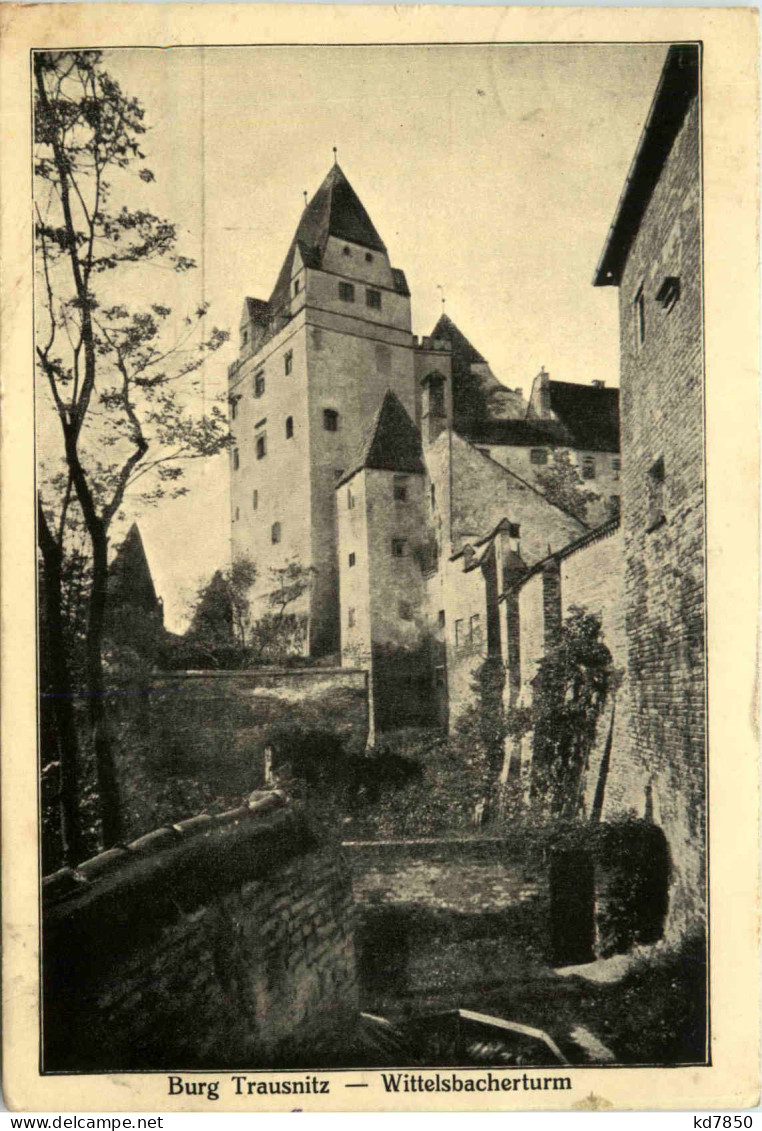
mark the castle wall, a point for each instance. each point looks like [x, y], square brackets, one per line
[593, 578]
[664, 524]
[605, 484]
[225, 941]
[286, 461]
[402, 668]
[482, 494]
[354, 580]
[356, 352]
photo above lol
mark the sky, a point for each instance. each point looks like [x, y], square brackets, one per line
[491, 172]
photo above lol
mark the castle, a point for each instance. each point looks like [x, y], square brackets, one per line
[398, 468]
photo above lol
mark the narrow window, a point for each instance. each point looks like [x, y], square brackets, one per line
[350, 618]
[350, 499]
[458, 633]
[296, 286]
[405, 610]
[234, 409]
[383, 358]
[352, 560]
[639, 318]
[244, 337]
[373, 298]
[538, 456]
[588, 467]
[346, 292]
[668, 293]
[259, 384]
[656, 495]
[441, 618]
[615, 506]
[398, 547]
[437, 398]
[330, 420]
[288, 362]
[275, 533]
[261, 446]
[289, 427]
[400, 489]
[254, 500]
[616, 467]
[433, 496]
[346, 251]
[237, 514]
[236, 459]
[476, 630]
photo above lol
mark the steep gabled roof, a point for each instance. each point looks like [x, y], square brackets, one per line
[589, 413]
[335, 210]
[528, 433]
[677, 88]
[391, 443]
[462, 350]
[477, 395]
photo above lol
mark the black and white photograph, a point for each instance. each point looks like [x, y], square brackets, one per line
[370, 487]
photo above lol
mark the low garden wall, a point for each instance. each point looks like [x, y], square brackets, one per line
[221, 940]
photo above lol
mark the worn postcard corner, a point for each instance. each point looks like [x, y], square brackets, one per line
[380, 541]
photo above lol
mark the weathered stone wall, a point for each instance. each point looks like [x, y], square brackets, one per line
[483, 492]
[593, 578]
[215, 723]
[223, 940]
[663, 526]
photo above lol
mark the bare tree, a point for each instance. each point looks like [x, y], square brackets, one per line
[119, 378]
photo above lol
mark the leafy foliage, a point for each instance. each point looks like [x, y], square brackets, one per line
[120, 380]
[571, 688]
[563, 486]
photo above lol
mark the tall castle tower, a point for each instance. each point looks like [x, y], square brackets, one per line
[316, 361]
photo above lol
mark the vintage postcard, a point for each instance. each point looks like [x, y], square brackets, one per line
[380, 491]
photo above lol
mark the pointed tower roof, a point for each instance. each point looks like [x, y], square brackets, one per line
[130, 580]
[335, 210]
[461, 347]
[391, 443]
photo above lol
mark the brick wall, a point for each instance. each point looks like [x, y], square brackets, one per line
[663, 525]
[221, 940]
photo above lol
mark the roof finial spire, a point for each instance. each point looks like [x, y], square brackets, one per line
[335, 155]
[444, 300]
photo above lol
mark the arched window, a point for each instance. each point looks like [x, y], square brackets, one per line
[275, 533]
[289, 427]
[330, 420]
